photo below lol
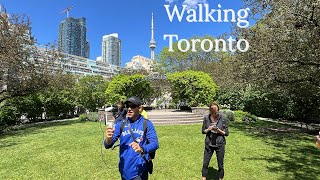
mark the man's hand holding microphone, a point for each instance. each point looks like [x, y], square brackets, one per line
[109, 133]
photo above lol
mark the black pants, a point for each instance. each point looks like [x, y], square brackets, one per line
[143, 176]
[208, 151]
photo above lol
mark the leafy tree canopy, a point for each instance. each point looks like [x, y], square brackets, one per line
[24, 69]
[192, 87]
[90, 92]
[190, 60]
[123, 87]
[283, 59]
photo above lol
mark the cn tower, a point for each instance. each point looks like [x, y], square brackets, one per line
[152, 44]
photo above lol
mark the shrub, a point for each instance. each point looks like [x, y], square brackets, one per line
[228, 114]
[83, 117]
[172, 105]
[231, 99]
[8, 114]
[241, 116]
[93, 116]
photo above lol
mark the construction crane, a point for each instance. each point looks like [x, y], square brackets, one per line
[67, 10]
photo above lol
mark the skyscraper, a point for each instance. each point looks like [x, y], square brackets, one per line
[111, 49]
[72, 37]
[152, 43]
[87, 49]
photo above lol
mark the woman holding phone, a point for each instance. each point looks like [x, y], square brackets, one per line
[215, 127]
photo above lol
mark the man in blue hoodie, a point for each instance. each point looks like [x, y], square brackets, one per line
[133, 153]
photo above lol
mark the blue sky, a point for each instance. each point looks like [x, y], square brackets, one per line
[131, 19]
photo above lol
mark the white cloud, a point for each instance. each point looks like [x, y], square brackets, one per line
[193, 4]
[171, 1]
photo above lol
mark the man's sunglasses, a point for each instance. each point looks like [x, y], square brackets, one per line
[132, 106]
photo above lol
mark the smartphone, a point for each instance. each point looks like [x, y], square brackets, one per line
[214, 128]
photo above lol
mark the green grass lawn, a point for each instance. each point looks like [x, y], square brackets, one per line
[71, 150]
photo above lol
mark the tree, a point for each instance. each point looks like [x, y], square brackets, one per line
[56, 101]
[90, 92]
[220, 65]
[284, 52]
[192, 87]
[123, 87]
[58, 98]
[24, 67]
[284, 44]
[180, 61]
[30, 105]
[161, 87]
[8, 114]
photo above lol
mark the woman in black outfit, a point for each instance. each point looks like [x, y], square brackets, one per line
[215, 127]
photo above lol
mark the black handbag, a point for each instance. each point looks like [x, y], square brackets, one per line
[149, 165]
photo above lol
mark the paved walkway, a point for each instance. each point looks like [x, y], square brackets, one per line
[176, 117]
[303, 125]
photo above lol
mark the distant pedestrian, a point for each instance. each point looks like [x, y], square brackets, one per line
[143, 112]
[121, 113]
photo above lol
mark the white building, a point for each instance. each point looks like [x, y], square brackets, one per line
[71, 64]
[140, 63]
[111, 49]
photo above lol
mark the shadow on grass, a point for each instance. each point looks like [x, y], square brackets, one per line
[33, 129]
[212, 174]
[6, 143]
[293, 158]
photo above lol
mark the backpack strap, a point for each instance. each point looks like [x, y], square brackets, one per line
[145, 126]
[123, 123]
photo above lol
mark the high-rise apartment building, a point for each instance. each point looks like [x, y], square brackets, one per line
[111, 49]
[72, 37]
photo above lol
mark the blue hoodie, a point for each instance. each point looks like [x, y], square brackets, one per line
[131, 163]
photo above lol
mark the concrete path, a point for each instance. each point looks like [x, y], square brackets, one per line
[173, 116]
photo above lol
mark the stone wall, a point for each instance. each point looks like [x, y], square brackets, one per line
[200, 110]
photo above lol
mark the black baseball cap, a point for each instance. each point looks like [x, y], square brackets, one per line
[135, 100]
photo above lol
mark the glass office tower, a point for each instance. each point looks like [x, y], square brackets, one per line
[72, 37]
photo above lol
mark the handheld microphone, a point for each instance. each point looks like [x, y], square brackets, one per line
[108, 109]
[110, 123]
